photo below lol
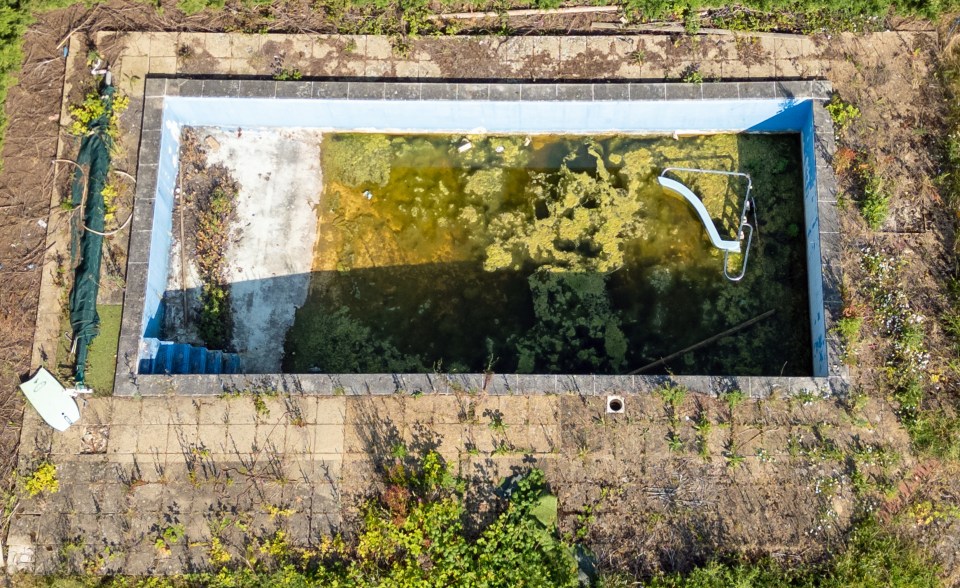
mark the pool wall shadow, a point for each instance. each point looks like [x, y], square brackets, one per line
[172, 103]
[444, 314]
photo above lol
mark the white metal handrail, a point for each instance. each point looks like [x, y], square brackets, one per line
[744, 231]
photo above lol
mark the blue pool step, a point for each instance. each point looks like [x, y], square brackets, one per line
[180, 358]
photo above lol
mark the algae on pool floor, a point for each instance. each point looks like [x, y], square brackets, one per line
[549, 254]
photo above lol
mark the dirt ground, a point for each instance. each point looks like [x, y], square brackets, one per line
[896, 89]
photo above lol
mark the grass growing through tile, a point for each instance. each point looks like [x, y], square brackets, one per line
[102, 359]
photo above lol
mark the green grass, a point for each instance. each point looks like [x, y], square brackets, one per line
[875, 205]
[848, 328]
[102, 358]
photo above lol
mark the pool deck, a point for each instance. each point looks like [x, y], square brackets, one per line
[125, 469]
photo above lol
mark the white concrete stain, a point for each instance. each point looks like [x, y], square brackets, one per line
[270, 254]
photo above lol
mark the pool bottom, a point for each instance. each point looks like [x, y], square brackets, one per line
[412, 273]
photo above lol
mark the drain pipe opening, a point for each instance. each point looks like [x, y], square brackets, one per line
[615, 405]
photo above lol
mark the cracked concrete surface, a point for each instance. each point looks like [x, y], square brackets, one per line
[270, 255]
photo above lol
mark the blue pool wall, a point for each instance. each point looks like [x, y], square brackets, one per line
[170, 113]
[158, 267]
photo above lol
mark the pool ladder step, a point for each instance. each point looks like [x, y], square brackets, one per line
[180, 358]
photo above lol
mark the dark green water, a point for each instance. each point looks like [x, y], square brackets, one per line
[549, 254]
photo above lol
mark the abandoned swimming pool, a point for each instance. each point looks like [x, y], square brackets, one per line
[641, 307]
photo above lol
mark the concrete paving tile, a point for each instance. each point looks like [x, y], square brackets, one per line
[140, 563]
[269, 409]
[271, 437]
[543, 409]
[406, 69]
[810, 68]
[356, 438]
[446, 439]
[427, 70]
[329, 439]
[323, 49]
[213, 411]
[241, 438]
[162, 44]
[601, 45]
[631, 70]
[548, 47]
[300, 440]
[245, 46]
[146, 468]
[788, 69]
[734, 70]
[136, 43]
[181, 437]
[378, 48]
[154, 410]
[212, 438]
[146, 498]
[183, 413]
[218, 45]
[191, 41]
[241, 67]
[717, 51]
[297, 471]
[572, 47]
[623, 48]
[325, 498]
[712, 71]
[483, 409]
[163, 65]
[132, 71]
[197, 529]
[510, 439]
[479, 438]
[449, 409]
[241, 410]
[109, 498]
[521, 48]
[769, 46]
[328, 470]
[152, 439]
[97, 411]
[66, 442]
[371, 410]
[350, 67]
[788, 47]
[123, 439]
[302, 409]
[513, 409]
[169, 564]
[543, 438]
[270, 494]
[325, 524]
[419, 409]
[298, 529]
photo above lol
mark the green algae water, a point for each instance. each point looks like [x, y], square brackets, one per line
[550, 254]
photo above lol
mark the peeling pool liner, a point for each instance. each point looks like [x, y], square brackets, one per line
[565, 108]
